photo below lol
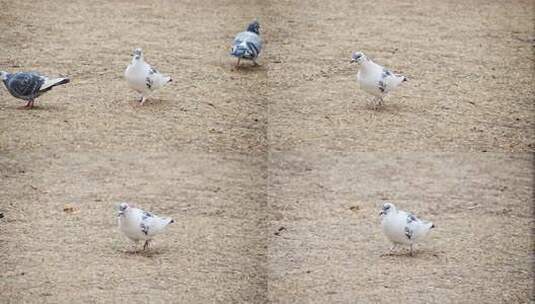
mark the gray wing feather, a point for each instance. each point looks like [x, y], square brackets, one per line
[144, 228]
[411, 218]
[252, 41]
[146, 215]
[408, 232]
[24, 85]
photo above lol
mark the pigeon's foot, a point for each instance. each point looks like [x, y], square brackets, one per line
[27, 106]
[146, 245]
[142, 100]
[377, 103]
[381, 102]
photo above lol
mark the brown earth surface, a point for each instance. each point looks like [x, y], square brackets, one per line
[331, 248]
[233, 155]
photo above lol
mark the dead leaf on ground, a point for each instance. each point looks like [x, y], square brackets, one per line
[69, 209]
[354, 208]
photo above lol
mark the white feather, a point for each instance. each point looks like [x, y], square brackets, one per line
[51, 82]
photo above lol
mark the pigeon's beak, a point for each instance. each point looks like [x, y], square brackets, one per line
[382, 213]
[352, 61]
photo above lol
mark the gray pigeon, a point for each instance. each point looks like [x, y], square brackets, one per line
[29, 85]
[248, 45]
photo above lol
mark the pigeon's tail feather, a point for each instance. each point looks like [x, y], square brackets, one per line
[239, 51]
[433, 226]
[171, 221]
[405, 79]
[50, 83]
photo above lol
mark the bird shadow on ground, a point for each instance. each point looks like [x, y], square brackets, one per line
[144, 253]
[247, 67]
[406, 254]
[44, 108]
[152, 103]
[390, 108]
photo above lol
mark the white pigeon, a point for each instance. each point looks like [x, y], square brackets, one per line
[403, 228]
[248, 45]
[375, 79]
[138, 225]
[143, 78]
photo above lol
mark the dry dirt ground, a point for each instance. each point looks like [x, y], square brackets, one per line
[326, 244]
[234, 155]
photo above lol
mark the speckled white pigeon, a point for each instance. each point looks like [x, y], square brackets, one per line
[143, 78]
[403, 228]
[138, 225]
[29, 85]
[375, 79]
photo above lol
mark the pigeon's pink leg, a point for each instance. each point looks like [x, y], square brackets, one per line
[142, 100]
[238, 64]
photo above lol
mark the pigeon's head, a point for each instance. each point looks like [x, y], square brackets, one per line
[387, 208]
[254, 27]
[358, 57]
[138, 54]
[122, 208]
[3, 75]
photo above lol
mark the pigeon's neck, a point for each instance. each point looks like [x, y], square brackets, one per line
[137, 60]
[392, 212]
[253, 29]
[367, 64]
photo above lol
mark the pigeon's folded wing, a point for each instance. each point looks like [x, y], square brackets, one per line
[390, 80]
[155, 79]
[25, 84]
[154, 224]
[250, 42]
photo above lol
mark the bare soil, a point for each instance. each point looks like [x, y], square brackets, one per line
[326, 244]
